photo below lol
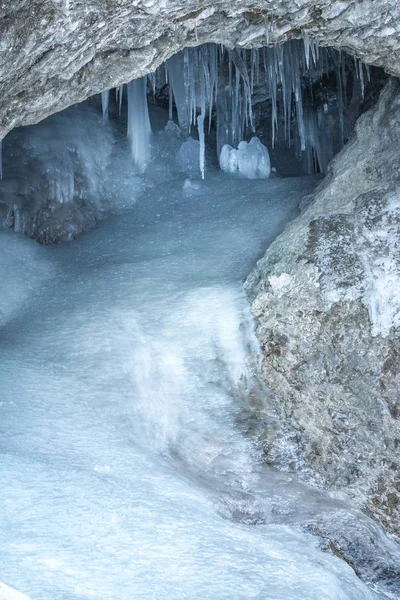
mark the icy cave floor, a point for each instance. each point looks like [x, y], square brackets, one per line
[127, 359]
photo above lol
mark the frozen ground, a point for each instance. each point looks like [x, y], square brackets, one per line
[126, 361]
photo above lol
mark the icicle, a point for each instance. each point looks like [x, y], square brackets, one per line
[213, 85]
[252, 70]
[314, 52]
[360, 66]
[235, 111]
[200, 126]
[299, 110]
[242, 69]
[105, 96]
[170, 102]
[200, 121]
[120, 97]
[139, 129]
[152, 79]
[175, 67]
[194, 71]
[306, 41]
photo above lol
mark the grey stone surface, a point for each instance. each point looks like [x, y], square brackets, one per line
[327, 300]
[54, 53]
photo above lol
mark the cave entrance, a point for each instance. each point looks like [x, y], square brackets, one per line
[133, 379]
[276, 111]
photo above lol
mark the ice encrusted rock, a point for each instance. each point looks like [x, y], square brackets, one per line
[326, 297]
[250, 160]
[55, 54]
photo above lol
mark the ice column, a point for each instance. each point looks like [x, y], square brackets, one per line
[176, 79]
[139, 128]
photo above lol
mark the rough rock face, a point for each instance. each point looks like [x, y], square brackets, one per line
[326, 297]
[54, 53]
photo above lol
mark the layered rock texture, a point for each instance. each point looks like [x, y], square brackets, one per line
[54, 53]
[327, 300]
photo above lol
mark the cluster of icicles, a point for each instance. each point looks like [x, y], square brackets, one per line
[210, 85]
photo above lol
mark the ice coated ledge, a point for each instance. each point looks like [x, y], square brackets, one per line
[326, 297]
[55, 53]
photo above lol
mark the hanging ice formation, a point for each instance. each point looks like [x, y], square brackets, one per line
[139, 128]
[105, 97]
[119, 96]
[209, 85]
[210, 82]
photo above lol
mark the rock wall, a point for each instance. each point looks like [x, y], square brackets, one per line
[327, 300]
[55, 53]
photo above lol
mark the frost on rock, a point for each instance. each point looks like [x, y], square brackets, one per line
[250, 160]
[380, 256]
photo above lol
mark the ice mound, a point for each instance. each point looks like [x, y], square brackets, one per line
[188, 157]
[251, 160]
